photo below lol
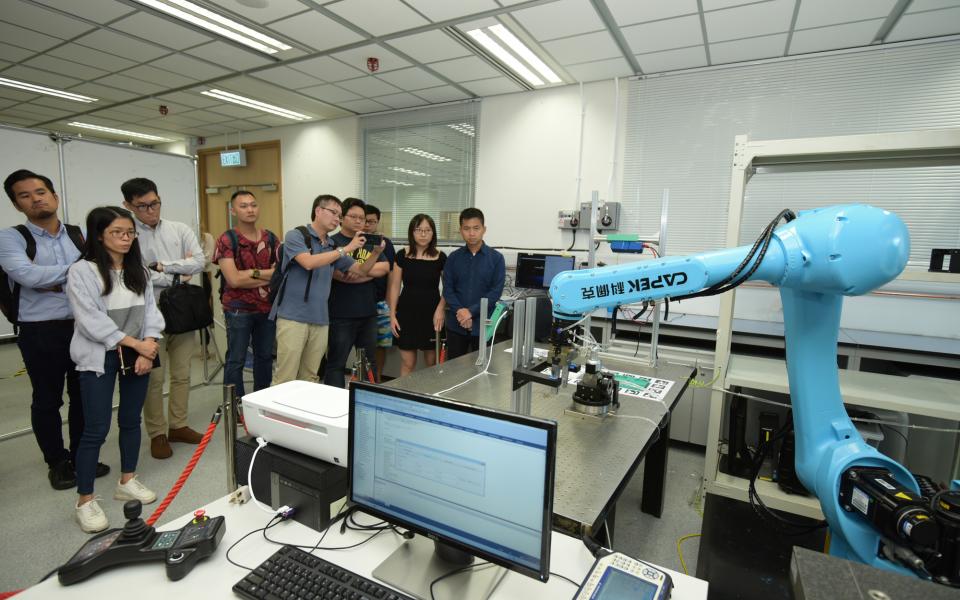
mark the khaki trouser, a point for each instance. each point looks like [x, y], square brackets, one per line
[176, 351]
[300, 347]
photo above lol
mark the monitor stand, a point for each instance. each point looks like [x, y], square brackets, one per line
[417, 563]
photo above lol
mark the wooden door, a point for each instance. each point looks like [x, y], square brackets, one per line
[261, 177]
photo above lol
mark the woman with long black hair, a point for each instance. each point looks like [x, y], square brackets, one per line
[117, 327]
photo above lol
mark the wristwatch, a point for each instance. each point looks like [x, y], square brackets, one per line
[340, 251]
[255, 274]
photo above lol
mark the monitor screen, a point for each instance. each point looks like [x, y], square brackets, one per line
[476, 479]
[538, 270]
[233, 158]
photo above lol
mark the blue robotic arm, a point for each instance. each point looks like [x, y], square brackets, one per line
[815, 260]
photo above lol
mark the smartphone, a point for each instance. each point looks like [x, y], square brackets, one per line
[373, 239]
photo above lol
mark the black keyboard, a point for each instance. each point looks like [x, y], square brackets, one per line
[292, 574]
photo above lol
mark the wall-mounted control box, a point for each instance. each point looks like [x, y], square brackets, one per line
[608, 217]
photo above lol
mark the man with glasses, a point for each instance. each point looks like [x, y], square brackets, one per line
[169, 248]
[384, 334]
[353, 299]
[300, 309]
[35, 258]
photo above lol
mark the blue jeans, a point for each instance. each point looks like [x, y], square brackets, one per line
[243, 329]
[344, 335]
[97, 395]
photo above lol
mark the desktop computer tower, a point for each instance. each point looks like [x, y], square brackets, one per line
[285, 477]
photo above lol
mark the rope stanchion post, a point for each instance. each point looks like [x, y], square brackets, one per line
[230, 433]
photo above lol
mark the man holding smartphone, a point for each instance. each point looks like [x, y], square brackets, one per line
[353, 298]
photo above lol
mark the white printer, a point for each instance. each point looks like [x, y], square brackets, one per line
[299, 415]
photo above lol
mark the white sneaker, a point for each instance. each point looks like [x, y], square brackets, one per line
[134, 490]
[91, 517]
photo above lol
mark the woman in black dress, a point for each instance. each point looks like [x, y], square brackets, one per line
[416, 311]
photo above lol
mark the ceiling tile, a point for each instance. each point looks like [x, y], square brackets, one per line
[40, 19]
[673, 60]
[368, 86]
[140, 112]
[327, 69]
[583, 48]
[31, 40]
[46, 111]
[233, 111]
[357, 58]
[14, 53]
[601, 69]
[122, 45]
[15, 120]
[378, 17]
[847, 35]
[721, 4]
[363, 105]
[4, 64]
[413, 78]
[4, 103]
[190, 99]
[664, 35]
[559, 19]
[316, 30]
[286, 77]
[493, 86]
[403, 100]
[229, 56]
[91, 57]
[15, 94]
[628, 12]
[40, 77]
[442, 10]
[160, 30]
[749, 21]
[926, 24]
[141, 88]
[262, 12]
[159, 76]
[816, 13]
[465, 69]
[114, 115]
[189, 67]
[922, 5]
[329, 93]
[272, 121]
[103, 92]
[100, 11]
[430, 46]
[239, 125]
[64, 67]
[61, 104]
[767, 46]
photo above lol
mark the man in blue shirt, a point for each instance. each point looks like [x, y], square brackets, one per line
[300, 308]
[472, 272]
[45, 320]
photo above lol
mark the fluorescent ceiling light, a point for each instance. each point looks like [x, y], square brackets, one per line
[409, 172]
[145, 136]
[507, 37]
[464, 128]
[505, 57]
[216, 23]
[395, 182]
[425, 154]
[251, 103]
[39, 89]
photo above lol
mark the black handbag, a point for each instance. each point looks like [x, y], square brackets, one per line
[128, 357]
[185, 307]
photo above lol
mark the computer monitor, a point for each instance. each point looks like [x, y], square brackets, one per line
[537, 271]
[477, 481]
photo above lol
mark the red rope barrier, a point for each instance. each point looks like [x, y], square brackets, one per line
[188, 469]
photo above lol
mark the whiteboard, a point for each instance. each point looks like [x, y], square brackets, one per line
[95, 170]
[91, 177]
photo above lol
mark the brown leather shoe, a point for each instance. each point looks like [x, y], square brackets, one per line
[160, 447]
[185, 435]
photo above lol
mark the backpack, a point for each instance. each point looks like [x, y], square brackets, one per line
[278, 280]
[10, 299]
[235, 246]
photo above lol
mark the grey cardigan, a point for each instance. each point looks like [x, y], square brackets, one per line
[94, 332]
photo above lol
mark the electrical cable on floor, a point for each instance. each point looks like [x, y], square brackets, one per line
[680, 551]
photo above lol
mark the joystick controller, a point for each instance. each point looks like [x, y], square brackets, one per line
[180, 549]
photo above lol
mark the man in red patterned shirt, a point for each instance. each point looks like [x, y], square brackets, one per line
[247, 257]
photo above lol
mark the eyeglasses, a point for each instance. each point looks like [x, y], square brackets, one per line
[147, 207]
[332, 212]
[119, 234]
[423, 231]
[355, 217]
